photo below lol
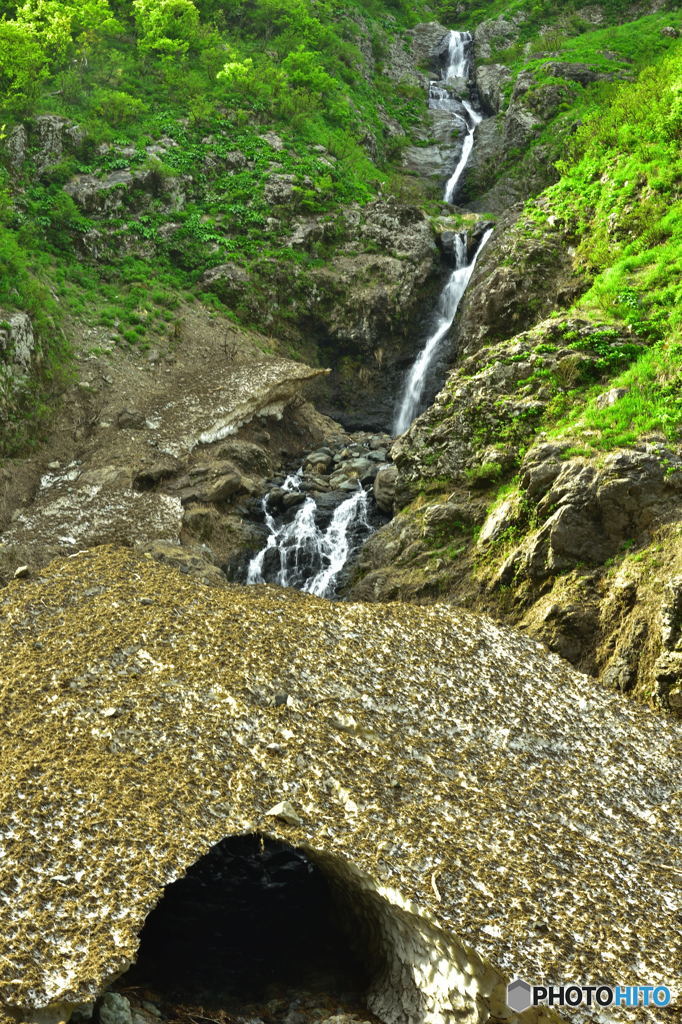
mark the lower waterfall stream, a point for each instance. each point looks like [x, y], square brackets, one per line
[304, 552]
[448, 304]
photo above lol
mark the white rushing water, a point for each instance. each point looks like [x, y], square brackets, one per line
[305, 555]
[448, 304]
[471, 120]
[459, 46]
[458, 66]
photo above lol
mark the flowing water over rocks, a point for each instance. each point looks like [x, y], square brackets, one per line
[448, 304]
[455, 77]
[319, 517]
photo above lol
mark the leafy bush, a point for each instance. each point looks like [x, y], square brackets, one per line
[116, 107]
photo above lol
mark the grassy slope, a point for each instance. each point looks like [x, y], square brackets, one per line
[618, 191]
[312, 72]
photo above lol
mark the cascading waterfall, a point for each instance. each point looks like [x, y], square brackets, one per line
[471, 119]
[459, 46]
[448, 304]
[457, 67]
[301, 553]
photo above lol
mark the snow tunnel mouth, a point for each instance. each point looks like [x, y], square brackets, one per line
[257, 922]
[251, 921]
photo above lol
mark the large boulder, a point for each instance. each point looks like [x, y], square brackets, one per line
[492, 35]
[48, 139]
[126, 190]
[491, 81]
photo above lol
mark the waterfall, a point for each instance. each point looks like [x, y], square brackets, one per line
[302, 554]
[471, 120]
[459, 44]
[458, 66]
[448, 304]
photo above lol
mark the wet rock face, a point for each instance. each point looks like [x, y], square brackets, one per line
[523, 274]
[363, 311]
[491, 80]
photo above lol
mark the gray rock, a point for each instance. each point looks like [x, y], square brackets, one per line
[115, 1009]
[577, 72]
[670, 32]
[436, 161]
[495, 34]
[610, 397]
[16, 147]
[448, 514]
[55, 137]
[491, 80]
[498, 521]
[384, 488]
[125, 190]
[222, 488]
[279, 189]
[131, 419]
[540, 468]
[228, 281]
[17, 341]
[319, 462]
[360, 469]
[273, 140]
[275, 498]
[291, 499]
[590, 511]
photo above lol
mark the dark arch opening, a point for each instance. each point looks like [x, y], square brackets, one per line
[254, 919]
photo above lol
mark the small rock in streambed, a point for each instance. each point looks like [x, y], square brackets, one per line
[151, 1008]
[115, 1009]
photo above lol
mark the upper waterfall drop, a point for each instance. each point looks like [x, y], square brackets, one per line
[457, 65]
[459, 46]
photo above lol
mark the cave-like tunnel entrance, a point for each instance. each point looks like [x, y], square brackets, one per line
[257, 922]
[253, 920]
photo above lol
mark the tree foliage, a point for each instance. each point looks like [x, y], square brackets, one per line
[166, 26]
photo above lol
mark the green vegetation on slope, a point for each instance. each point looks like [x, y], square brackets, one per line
[621, 189]
[186, 96]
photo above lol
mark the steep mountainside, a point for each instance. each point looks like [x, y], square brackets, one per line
[245, 182]
[544, 483]
[380, 301]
